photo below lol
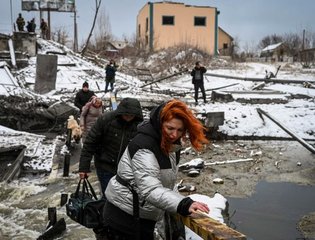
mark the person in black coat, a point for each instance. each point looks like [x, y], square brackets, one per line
[20, 23]
[110, 71]
[108, 138]
[83, 96]
[197, 80]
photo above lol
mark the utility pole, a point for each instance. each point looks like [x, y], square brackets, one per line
[303, 43]
[75, 37]
[48, 21]
[12, 24]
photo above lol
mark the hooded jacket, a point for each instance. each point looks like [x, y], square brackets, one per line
[151, 173]
[109, 137]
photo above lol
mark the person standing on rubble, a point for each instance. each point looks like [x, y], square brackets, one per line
[147, 172]
[90, 112]
[43, 29]
[107, 140]
[83, 96]
[197, 80]
[20, 22]
[110, 71]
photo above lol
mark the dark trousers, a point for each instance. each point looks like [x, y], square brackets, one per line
[111, 86]
[119, 225]
[200, 85]
[103, 177]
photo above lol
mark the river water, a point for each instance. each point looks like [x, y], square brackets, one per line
[273, 211]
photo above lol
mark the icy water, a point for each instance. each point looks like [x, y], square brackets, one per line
[273, 212]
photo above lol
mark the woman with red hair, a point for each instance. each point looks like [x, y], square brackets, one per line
[143, 187]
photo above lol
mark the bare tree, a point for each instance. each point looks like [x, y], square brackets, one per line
[309, 41]
[235, 47]
[250, 49]
[293, 43]
[60, 35]
[102, 32]
[97, 5]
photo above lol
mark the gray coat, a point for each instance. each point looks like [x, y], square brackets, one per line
[151, 173]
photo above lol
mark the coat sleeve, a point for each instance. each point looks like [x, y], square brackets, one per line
[83, 115]
[92, 144]
[77, 101]
[192, 73]
[148, 180]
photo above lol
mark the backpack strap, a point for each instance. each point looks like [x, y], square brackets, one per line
[135, 204]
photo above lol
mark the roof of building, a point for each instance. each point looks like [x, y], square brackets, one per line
[226, 33]
[180, 3]
[118, 44]
[272, 47]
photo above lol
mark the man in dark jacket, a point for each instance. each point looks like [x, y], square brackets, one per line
[110, 71]
[108, 138]
[20, 23]
[197, 80]
[83, 96]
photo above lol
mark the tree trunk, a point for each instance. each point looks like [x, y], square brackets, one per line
[97, 4]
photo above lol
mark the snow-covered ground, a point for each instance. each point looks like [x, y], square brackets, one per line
[241, 119]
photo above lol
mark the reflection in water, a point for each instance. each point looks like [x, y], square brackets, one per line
[273, 212]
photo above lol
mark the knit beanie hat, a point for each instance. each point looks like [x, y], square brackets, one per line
[85, 84]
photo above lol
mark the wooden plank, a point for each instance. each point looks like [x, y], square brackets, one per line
[259, 79]
[113, 101]
[163, 78]
[210, 229]
[13, 168]
[300, 140]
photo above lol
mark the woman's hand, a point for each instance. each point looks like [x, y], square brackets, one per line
[195, 206]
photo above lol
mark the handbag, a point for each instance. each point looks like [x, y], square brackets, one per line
[84, 207]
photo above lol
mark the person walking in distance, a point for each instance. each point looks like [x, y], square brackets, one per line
[197, 80]
[108, 138]
[110, 71]
[147, 171]
[83, 96]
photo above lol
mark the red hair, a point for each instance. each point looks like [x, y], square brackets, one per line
[192, 126]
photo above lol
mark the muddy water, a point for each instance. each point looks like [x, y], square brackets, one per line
[273, 211]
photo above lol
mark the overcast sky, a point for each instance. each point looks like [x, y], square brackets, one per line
[246, 20]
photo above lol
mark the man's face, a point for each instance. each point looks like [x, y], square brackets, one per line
[85, 89]
[128, 117]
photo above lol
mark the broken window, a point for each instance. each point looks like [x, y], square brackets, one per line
[225, 45]
[200, 21]
[168, 20]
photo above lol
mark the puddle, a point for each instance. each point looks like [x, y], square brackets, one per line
[273, 211]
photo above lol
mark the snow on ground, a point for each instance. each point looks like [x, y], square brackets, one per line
[240, 119]
[38, 150]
